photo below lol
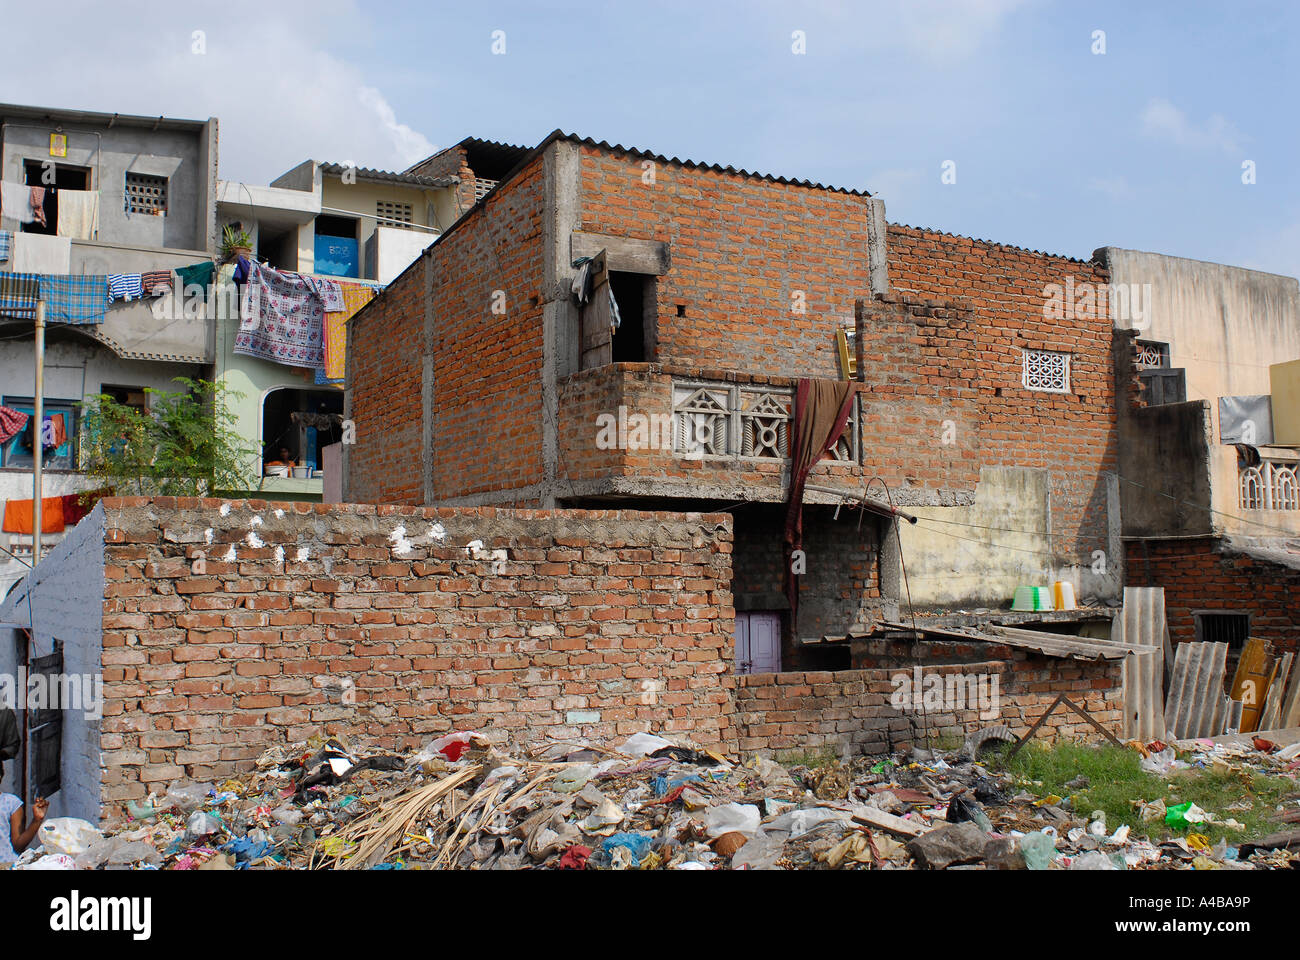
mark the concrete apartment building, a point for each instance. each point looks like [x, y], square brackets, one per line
[1210, 445]
[154, 179]
[478, 378]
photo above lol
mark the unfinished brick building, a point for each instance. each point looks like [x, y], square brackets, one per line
[480, 378]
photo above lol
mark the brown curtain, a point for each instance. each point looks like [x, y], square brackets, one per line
[821, 409]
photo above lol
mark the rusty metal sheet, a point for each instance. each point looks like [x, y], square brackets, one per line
[1251, 681]
[1197, 705]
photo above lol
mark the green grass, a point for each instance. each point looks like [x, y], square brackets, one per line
[1117, 779]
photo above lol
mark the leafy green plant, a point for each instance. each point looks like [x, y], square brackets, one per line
[232, 240]
[185, 445]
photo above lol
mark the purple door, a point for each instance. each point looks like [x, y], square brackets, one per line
[758, 642]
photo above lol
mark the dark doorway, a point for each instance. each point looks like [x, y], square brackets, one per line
[635, 295]
[65, 178]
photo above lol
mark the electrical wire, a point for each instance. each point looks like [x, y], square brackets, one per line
[916, 637]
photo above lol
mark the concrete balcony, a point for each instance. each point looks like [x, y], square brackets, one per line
[668, 431]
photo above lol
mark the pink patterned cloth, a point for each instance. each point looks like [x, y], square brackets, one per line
[12, 423]
[38, 205]
[281, 318]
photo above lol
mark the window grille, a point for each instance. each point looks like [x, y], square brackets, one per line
[146, 194]
[1047, 371]
[393, 214]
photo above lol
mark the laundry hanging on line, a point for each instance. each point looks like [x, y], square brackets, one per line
[16, 201]
[79, 214]
[125, 286]
[12, 423]
[18, 516]
[78, 299]
[281, 318]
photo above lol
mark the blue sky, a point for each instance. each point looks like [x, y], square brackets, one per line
[1055, 147]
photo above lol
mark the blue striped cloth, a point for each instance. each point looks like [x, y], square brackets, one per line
[125, 286]
[75, 299]
[18, 292]
[6, 240]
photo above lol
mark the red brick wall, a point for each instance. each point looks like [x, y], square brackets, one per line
[740, 247]
[1197, 577]
[487, 353]
[385, 374]
[851, 711]
[487, 404]
[1073, 435]
[208, 660]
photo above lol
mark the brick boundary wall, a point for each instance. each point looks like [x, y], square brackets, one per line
[850, 709]
[231, 626]
[1198, 578]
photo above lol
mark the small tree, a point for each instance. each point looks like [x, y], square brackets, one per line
[184, 446]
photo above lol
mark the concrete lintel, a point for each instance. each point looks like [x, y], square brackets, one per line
[625, 254]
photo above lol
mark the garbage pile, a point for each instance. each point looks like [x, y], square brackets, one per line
[649, 803]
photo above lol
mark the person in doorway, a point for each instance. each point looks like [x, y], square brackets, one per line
[284, 459]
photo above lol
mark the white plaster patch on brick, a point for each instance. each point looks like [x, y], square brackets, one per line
[397, 538]
[207, 535]
[230, 556]
[650, 691]
[256, 521]
[474, 548]
[438, 532]
[279, 554]
[254, 540]
[302, 555]
[279, 514]
[225, 510]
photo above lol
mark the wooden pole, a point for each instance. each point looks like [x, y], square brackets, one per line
[37, 444]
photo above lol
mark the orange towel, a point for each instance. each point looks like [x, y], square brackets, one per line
[18, 515]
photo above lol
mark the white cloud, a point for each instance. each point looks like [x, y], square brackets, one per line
[1117, 188]
[1163, 120]
[944, 29]
[267, 73]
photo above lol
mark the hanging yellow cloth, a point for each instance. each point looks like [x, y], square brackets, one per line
[355, 296]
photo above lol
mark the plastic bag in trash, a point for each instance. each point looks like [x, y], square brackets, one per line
[52, 861]
[641, 744]
[724, 818]
[191, 797]
[1038, 849]
[1160, 763]
[1093, 860]
[638, 844]
[67, 835]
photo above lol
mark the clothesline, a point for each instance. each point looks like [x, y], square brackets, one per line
[289, 318]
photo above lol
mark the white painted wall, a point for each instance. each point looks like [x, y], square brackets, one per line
[1225, 326]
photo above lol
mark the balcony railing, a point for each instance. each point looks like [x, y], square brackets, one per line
[1270, 486]
[722, 420]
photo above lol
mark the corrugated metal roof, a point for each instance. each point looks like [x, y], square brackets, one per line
[1197, 705]
[694, 164]
[387, 176]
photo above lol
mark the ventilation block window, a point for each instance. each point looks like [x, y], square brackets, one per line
[1047, 371]
[393, 214]
[1152, 355]
[1230, 628]
[146, 194]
